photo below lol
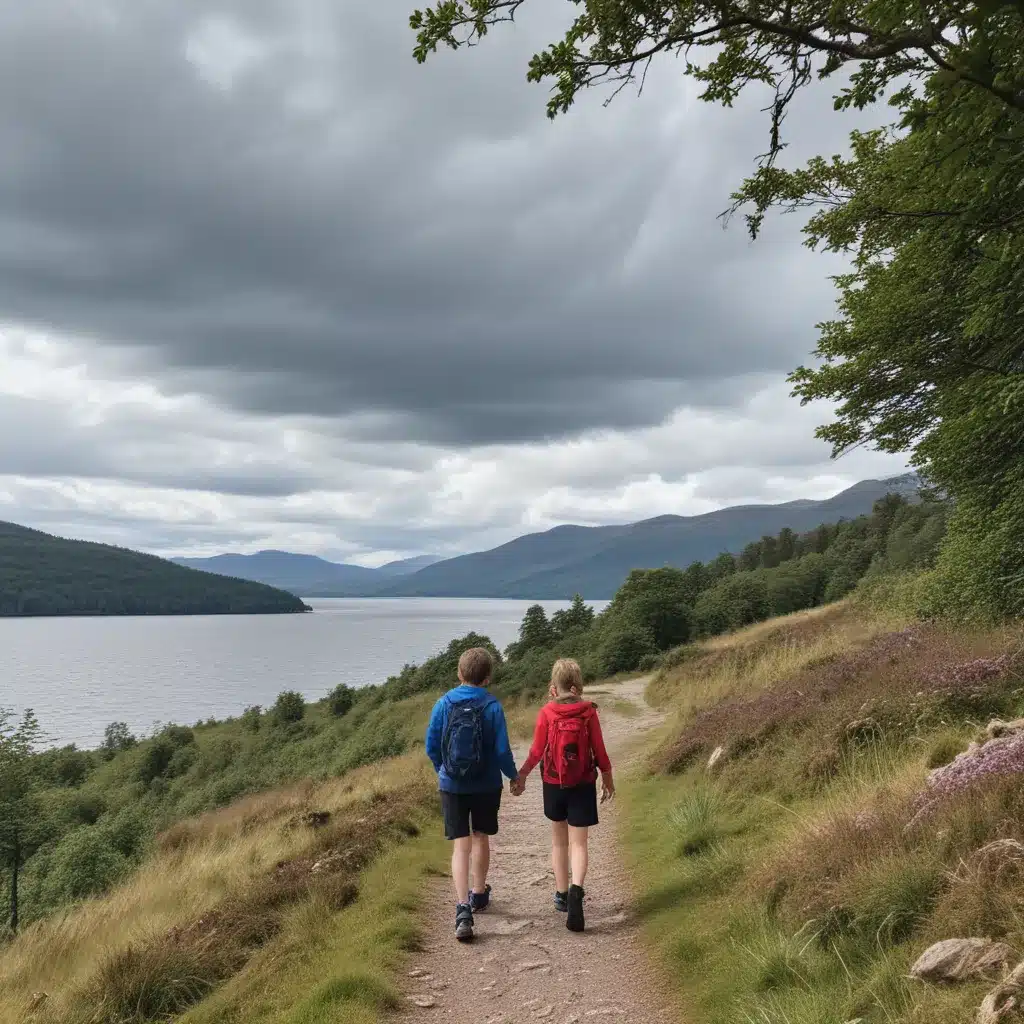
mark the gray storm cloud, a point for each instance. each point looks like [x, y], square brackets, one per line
[397, 289]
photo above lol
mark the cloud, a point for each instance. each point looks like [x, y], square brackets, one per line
[269, 282]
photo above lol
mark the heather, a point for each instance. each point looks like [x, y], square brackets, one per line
[832, 793]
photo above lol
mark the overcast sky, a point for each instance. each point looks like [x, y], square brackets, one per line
[267, 282]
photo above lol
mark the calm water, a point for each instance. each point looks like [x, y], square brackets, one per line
[79, 674]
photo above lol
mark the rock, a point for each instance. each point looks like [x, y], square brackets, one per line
[955, 960]
[423, 1001]
[533, 965]
[997, 728]
[716, 756]
[1003, 999]
[545, 1011]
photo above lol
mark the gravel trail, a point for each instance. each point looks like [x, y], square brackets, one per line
[524, 965]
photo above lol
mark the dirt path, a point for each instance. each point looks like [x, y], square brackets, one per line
[524, 965]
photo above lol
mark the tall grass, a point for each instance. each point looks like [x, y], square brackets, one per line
[784, 885]
[216, 889]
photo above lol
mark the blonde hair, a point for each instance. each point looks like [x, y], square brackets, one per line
[475, 666]
[567, 675]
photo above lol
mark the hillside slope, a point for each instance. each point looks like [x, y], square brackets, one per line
[812, 820]
[45, 575]
[594, 561]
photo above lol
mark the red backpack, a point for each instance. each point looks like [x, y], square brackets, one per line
[569, 755]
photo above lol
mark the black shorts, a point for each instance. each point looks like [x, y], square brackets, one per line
[470, 812]
[577, 806]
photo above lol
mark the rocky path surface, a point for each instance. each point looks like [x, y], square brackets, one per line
[524, 965]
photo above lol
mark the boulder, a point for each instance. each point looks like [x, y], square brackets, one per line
[1004, 999]
[955, 960]
[997, 728]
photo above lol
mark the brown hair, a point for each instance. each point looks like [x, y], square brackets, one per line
[566, 675]
[475, 666]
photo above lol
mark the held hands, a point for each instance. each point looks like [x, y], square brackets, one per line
[517, 786]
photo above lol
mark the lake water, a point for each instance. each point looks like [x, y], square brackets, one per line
[79, 674]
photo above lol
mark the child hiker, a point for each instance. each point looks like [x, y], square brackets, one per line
[568, 739]
[467, 741]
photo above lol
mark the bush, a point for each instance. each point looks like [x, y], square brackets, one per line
[340, 700]
[116, 738]
[625, 645]
[658, 601]
[251, 718]
[85, 863]
[289, 707]
[156, 756]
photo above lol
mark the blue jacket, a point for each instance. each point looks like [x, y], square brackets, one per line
[498, 759]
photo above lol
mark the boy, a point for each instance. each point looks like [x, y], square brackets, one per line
[467, 741]
[568, 739]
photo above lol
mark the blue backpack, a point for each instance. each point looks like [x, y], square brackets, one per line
[462, 748]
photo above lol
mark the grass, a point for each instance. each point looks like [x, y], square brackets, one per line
[783, 886]
[220, 892]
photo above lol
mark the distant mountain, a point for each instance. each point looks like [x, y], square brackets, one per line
[307, 575]
[590, 560]
[45, 575]
[408, 565]
[594, 561]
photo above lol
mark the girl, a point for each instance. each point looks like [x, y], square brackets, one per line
[568, 739]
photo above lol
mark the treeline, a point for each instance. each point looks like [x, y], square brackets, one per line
[73, 822]
[45, 575]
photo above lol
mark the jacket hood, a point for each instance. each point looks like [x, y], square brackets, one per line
[571, 710]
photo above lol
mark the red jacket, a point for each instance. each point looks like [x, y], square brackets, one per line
[546, 717]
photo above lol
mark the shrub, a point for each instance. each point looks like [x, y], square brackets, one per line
[289, 707]
[116, 738]
[340, 700]
[251, 718]
[85, 863]
[156, 756]
[624, 646]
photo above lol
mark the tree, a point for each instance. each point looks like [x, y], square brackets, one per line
[535, 630]
[927, 354]
[19, 809]
[289, 707]
[624, 645]
[786, 544]
[577, 618]
[656, 600]
[340, 700]
[783, 46]
[117, 737]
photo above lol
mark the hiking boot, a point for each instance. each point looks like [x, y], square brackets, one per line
[479, 900]
[464, 922]
[574, 922]
[562, 901]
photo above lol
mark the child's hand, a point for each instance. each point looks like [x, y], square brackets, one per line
[517, 786]
[607, 788]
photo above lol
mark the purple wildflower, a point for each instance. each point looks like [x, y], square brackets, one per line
[998, 757]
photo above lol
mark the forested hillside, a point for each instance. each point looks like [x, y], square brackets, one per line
[594, 561]
[45, 575]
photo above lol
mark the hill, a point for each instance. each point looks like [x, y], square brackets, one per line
[594, 561]
[555, 564]
[45, 575]
[308, 575]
